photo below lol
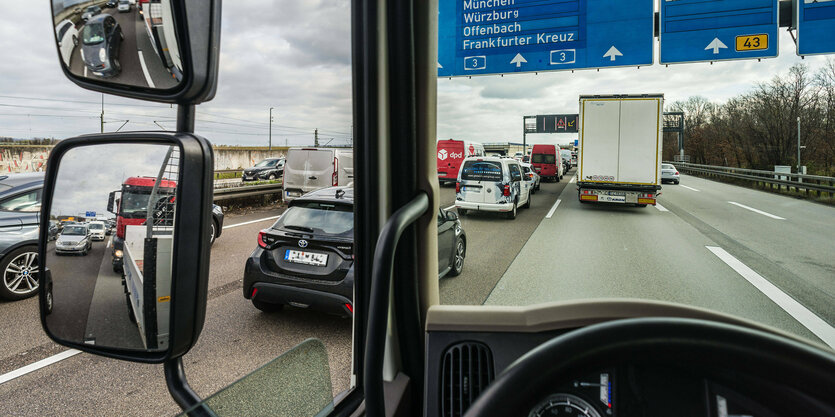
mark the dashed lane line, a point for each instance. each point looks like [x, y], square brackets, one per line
[756, 211]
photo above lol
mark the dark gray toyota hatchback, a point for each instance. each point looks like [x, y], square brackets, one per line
[306, 258]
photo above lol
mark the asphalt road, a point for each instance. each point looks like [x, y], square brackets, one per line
[682, 251]
[141, 66]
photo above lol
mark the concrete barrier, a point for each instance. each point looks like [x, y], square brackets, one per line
[16, 158]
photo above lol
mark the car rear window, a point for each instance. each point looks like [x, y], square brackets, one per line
[667, 166]
[318, 218]
[481, 171]
[541, 158]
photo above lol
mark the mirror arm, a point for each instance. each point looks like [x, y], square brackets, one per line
[186, 398]
[185, 118]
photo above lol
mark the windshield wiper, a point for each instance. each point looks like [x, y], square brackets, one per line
[302, 228]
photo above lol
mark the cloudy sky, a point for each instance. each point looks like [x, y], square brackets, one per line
[295, 56]
[79, 189]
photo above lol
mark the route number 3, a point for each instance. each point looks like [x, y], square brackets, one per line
[751, 42]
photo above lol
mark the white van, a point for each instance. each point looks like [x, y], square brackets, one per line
[97, 230]
[311, 169]
[492, 184]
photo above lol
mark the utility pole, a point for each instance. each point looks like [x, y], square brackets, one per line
[798, 144]
[102, 113]
[316, 138]
[524, 137]
[270, 147]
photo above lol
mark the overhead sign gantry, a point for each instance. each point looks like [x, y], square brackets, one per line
[815, 26]
[478, 37]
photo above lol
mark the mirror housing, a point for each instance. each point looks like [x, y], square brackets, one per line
[190, 260]
[451, 216]
[197, 27]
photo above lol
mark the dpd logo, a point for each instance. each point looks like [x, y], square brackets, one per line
[442, 154]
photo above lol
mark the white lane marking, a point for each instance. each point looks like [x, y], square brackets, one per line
[250, 222]
[660, 207]
[37, 365]
[807, 318]
[690, 188]
[756, 211]
[573, 179]
[145, 70]
[553, 209]
[450, 207]
[108, 244]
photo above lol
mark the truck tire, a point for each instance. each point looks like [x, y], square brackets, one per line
[267, 307]
[640, 205]
[462, 212]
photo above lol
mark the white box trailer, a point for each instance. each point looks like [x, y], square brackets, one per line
[619, 157]
[148, 285]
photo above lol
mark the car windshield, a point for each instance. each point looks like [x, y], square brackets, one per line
[74, 231]
[318, 218]
[266, 163]
[92, 34]
[96, 226]
[541, 158]
[91, 9]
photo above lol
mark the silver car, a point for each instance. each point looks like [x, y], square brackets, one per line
[531, 177]
[20, 203]
[669, 173]
[75, 238]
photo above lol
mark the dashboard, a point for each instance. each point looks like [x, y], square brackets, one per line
[466, 352]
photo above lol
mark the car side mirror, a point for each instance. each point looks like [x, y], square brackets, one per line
[451, 216]
[140, 295]
[164, 51]
[516, 177]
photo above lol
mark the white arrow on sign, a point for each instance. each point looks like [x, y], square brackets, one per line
[518, 60]
[439, 65]
[715, 45]
[612, 53]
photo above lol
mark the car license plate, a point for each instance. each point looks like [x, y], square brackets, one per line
[612, 198]
[307, 258]
[293, 193]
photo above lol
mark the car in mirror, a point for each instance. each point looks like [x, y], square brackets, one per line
[147, 50]
[151, 307]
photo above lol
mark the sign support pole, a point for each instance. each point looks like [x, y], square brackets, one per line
[525, 138]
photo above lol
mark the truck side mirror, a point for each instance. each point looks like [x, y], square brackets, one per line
[177, 43]
[111, 199]
[151, 307]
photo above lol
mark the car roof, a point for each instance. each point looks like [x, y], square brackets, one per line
[337, 195]
[20, 182]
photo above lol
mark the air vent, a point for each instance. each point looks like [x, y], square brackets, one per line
[466, 371]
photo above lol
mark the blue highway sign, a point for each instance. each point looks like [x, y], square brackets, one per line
[477, 37]
[815, 27]
[717, 30]
[90, 214]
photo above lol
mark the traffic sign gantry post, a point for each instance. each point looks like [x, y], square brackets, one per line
[717, 30]
[815, 27]
[477, 37]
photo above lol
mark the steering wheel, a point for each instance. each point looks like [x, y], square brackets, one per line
[700, 344]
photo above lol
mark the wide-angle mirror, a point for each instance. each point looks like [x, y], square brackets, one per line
[111, 263]
[130, 43]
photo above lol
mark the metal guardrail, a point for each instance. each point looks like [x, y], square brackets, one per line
[230, 193]
[770, 179]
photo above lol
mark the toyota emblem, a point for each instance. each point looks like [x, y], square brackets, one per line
[302, 243]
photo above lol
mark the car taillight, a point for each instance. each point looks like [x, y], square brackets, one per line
[265, 240]
[506, 191]
[676, 172]
[335, 177]
[261, 242]
[457, 187]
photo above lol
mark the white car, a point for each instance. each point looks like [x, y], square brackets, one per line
[493, 184]
[97, 230]
[124, 6]
[67, 36]
[531, 177]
